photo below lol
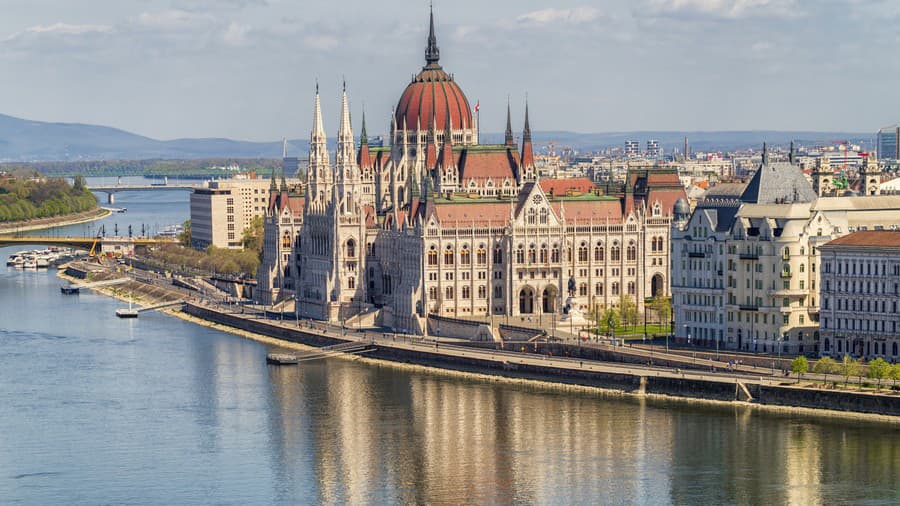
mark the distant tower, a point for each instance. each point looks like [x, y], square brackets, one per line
[687, 152]
[823, 177]
[870, 177]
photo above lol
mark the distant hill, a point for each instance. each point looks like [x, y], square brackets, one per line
[25, 140]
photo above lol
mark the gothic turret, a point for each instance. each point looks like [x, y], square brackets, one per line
[432, 53]
[527, 171]
[509, 133]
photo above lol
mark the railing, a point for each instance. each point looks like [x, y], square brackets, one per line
[749, 256]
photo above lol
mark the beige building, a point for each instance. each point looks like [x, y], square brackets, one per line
[860, 295]
[745, 268]
[223, 209]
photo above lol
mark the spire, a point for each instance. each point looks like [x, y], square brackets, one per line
[792, 155]
[431, 141]
[283, 181]
[527, 160]
[344, 129]
[765, 154]
[318, 129]
[509, 134]
[526, 135]
[272, 185]
[364, 161]
[447, 151]
[432, 53]
[363, 138]
[414, 188]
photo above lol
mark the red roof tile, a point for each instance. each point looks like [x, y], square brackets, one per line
[869, 238]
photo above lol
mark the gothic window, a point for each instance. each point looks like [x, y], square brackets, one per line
[631, 288]
[531, 217]
[432, 256]
[448, 256]
[545, 213]
[657, 209]
[465, 257]
[498, 292]
[498, 255]
[583, 252]
[543, 253]
[615, 288]
[554, 253]
[520, 254]
[582, 289]
[482, 291]
[599, 253]
[466, 292]
[286, 241]
[631, 252]
[615, 253]
[448, 292]
[532, 255]
[351, 282]
[802, 267]
[481, 255]
[598, 289]
[351, 248]
[433, 293]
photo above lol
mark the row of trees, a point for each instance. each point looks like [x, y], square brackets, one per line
[878, 369]
[233, 262]
[158, 167]
[626, 314]
[25, 198]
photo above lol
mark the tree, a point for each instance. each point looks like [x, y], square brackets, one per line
[185, 237]
[799, 365]
[879, 369]
[253, 236]
[849, 367]
[79, 184]
[611, 319]
[895, 372]
[628, 311]
[662, 307]
[826, 366]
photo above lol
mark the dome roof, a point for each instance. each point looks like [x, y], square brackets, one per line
[431, 94]
[682, 208]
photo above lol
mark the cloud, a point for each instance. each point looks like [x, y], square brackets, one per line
[172, 19]
[725, 9]
[67, 29]
[235, 34]
[553, 15]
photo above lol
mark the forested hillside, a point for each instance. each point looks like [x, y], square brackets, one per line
[27, 197]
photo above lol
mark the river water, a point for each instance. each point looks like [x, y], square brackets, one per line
[97, 410]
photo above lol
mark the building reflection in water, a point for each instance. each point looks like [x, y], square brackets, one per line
[344, 432]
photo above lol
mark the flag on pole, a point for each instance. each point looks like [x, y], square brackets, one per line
[477, 106]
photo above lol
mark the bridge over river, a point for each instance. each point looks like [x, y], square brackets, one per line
[107, 245]
[111, 189]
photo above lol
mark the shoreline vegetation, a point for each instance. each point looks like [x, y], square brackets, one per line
[54, 221]
[660, 400]
[30, 201]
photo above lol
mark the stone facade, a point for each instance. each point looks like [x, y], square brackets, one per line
[860, 296]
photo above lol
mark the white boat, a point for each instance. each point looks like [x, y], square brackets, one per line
[30, 264]
[42, 262]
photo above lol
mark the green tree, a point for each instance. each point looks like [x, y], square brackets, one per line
[628, 311]
[610, 319]
[662, 308]
[895, 372]
[253, 236]
[799, 366]
[825, 366]
[185, 237]
[849, 367]
[80, 183]
[879, 369]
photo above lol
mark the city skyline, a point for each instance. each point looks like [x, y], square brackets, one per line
[246, 69]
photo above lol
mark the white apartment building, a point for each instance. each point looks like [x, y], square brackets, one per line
[860, 295]
[223, 209]
[745, 267]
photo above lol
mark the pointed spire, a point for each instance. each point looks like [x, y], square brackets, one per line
[318, 128]
[765, 154]
[345, 128]
[363, 138]
[447, 151]
[364, 161]
[527, 159]
[526, 135]
[432, 53]
[414, 184]
[509, 133]
[429, 187]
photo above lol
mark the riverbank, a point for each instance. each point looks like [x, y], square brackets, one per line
[54, 221]
[609, 379]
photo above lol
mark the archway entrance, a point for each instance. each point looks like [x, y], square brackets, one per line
[549, 300]
[656, 286]
[526, 300]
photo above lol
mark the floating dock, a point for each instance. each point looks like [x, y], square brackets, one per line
[326, 351]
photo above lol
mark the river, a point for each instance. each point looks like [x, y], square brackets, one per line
[97, 410]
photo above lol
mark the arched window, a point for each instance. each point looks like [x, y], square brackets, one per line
[531, 216]
[448, 293]
[520, 254]
[351, 248]
[615, 253]
[432, 256]
[802, 267]
[498, 255]
[582, 290]
[554, 253]
[465, 256]
[599, 253]
[532, 254]
[286, 241]
[631, 288]
[466, 292]
[448, 256]
[481, 256]
[545, 213]
[543, 253]
[351, 282]
[615, 288]
[583, 252]
[631, 252]
[598, 289]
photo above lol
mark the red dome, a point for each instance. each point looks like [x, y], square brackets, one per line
[431, 94]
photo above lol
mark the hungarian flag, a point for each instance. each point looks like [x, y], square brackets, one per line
[477, 106]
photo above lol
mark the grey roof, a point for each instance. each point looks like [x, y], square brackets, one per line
[778, 182]
[725, 190]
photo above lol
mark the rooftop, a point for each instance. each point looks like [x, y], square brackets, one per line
[869, 238]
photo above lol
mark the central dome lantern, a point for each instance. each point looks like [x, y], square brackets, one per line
[429, 98]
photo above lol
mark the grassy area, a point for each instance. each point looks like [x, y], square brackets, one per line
[637, 332]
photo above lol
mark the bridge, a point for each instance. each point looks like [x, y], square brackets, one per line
[112, 245]
[109, 190]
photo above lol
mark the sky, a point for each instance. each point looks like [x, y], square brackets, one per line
[246, 69]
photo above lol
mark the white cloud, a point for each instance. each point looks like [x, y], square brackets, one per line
[172, 19]
[553, 15]
[235, 34]
[67, 29]
[728, 9]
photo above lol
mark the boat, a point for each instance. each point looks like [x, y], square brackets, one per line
[171, 231]
[29, 263]
[42, 262]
